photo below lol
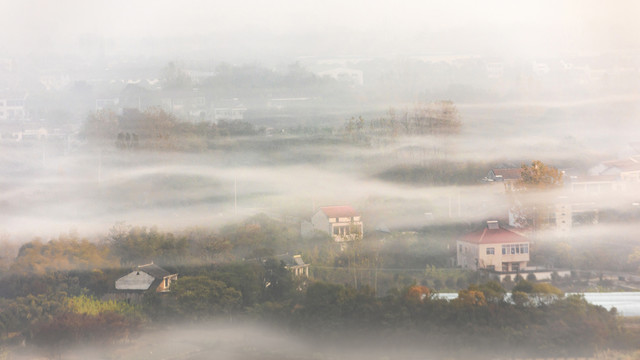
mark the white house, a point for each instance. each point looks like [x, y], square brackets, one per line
[343, 223]
[145, 277]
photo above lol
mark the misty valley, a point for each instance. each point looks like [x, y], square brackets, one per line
[299, 180]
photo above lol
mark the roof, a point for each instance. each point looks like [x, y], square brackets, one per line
[291, 261]
[154, 270]
[631, 163]
[592, 178]
[494, 236]
[508, 174]
[338, 211]
[135, 280]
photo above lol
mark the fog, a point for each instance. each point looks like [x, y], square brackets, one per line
[203, 114]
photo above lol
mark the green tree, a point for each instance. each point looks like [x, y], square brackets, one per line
[200, 296]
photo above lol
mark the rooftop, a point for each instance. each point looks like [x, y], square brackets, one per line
[154, 270]
[494, 235]
[508, 174]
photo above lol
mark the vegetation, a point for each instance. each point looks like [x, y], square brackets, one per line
[368, 289]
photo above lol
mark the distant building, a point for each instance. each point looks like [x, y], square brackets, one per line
[295, 264]
[146, 277]
[509, 177]
[493, 248]
[230, 109]
[627, 169]
[495, 70]
[343, 223]
[107, 104]
[13, 107]
[352, 76]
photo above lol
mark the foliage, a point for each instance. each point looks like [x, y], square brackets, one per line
[539, 176]
[278, 281]
[418, 293]
[89, 305]
[527, 206]
[439, 172]
[64, 253]
[199, 296]
[435, 118]
[136, 245]
[71, 328]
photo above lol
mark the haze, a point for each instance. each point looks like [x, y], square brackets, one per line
[282, 30]
[219, 120]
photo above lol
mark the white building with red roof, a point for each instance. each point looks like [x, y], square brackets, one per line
[493, 248]
[343, 223]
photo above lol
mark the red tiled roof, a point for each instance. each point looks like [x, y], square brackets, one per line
[339, 211]
[509, 174]
[497, 236]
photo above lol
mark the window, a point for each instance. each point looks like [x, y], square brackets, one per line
[166, 282]
[505, 267]
[515, 249]
[491, 251]
[515, 267]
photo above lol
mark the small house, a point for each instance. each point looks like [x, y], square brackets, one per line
[147, 277]
[295, 264]
[493, 248]
[343, 223]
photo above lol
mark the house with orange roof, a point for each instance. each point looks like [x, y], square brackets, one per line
[493, 248]
[343, 223]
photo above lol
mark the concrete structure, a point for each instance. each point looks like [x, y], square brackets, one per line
[145, 277]
[343, 223]
[493, 248]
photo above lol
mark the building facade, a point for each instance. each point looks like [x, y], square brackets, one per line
[493, 248]
[343, 223]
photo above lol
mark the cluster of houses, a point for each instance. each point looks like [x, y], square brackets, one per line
[502, 251]
[583, 196]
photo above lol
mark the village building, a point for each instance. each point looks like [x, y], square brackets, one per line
[13, 107]
[508, 176]
[149, 277]
[343, 223]
[493, 248]
[627, 169]
[295, 264]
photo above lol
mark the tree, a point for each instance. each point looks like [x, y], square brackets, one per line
[278, 281]
[200, 296]
[436, 118]
[528, 207]
[101, 127]
[539, 176]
